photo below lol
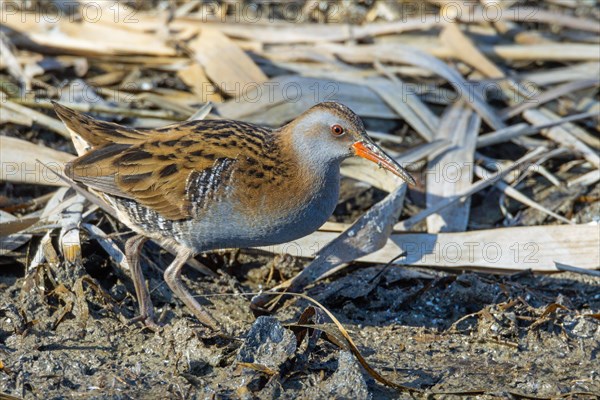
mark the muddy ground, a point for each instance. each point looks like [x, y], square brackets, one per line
[65, 333]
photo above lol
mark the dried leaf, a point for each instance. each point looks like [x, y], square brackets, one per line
[19, 163]
[520, 248]
[227, 66]
[10, 241]
[451, 172]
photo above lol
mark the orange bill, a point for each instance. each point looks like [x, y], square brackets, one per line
[372, 152]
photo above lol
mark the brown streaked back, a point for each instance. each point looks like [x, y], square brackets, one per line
[154, 167]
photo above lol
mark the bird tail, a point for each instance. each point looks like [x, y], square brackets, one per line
[94, 131]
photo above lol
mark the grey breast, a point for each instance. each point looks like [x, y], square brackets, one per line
[223, 227]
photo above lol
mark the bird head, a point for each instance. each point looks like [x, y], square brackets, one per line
[330, 131]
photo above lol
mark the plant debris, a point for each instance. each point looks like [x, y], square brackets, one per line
[479, 281]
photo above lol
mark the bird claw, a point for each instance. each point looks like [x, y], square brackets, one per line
[147, 320]
[219, 335]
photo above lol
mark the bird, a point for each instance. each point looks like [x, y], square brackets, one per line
[210, 184]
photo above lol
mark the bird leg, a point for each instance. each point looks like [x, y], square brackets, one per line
[133, 248]
[173, 279]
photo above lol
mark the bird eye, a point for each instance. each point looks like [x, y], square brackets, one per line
[337, 130]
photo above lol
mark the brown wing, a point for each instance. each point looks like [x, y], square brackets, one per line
[171, 170]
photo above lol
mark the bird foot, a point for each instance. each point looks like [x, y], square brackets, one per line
[220, 334]
[147, 320]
